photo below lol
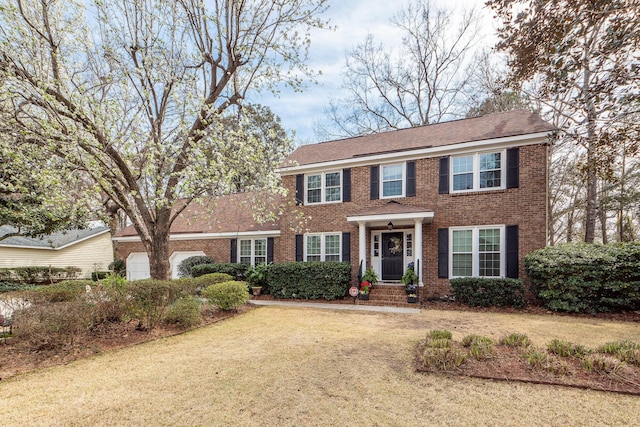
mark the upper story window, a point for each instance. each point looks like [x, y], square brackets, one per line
[478, 171]
[253, 251]
[477, 251]
[322, 247]
[392, 182]
[323, 188]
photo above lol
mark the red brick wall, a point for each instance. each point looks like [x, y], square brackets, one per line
[524, 206]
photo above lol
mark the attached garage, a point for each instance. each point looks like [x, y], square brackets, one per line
[177, 257]
[138, 266]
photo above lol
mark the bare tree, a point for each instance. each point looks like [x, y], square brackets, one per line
[423, 81]
[132, 92]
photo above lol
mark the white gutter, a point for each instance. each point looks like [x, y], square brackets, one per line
[206, 236]
[409, 154]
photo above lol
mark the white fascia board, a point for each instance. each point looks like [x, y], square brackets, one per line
[207, 236]
[75, 242]
[427, 215]
[444, 150]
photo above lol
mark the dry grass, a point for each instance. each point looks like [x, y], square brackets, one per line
[295, 366]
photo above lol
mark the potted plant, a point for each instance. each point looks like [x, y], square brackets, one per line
[412, 298]
[365, 288]
[370, 276]
[257, 278]
[410, 280]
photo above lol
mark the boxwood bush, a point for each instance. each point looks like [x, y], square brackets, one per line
[309, 280]
[581, 277]
[486, 292]
[227, 295]
[237, 271]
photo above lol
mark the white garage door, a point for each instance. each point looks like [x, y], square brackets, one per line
[138, 266]
[177, 257]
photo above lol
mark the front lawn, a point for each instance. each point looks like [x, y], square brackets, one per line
[298, 366]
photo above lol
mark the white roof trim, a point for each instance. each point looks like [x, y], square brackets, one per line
[56, 249]
[400, 218]
[421, 153]
[207, 236]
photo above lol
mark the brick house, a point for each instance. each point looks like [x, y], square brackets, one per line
[460, 198]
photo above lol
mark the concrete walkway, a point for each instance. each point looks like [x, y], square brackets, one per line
[376, 308]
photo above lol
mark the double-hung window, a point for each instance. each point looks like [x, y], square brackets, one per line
[480, 171]
[477, 251]
[253, 251]
[322, 247]
[392, 181]
[324, 187]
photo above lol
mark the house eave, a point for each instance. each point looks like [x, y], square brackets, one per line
[411, 154]
[398, 219]
[206, 236]
[59, 248]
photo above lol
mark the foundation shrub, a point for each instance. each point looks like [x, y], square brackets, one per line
[237, 271]
[227, 295]
[184, 268]
[207, 280]
[309, 280]
[485, 292]
[148, 300]
[50, 326]
[185, 312]
[580, 277]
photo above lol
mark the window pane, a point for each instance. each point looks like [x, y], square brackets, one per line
[489, 264]
[245, 248]
[313, 247]
[462, 241]
[489, 240]
[392, 173]
[332, 246]
[392, 188]
[314, 181]
[333, 179]
[462, 265]
[333, 194]
[260, 247]
[261, 260]
[462, 164]
[314, 196]
[463, 182]
[489, 161]
[245, 260]
[490, 179]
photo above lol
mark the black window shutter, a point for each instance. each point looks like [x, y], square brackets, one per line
[346, 247]
[411, 179]
[299, 248]
[443, 183]
[443, 252]
[513, 167]
[346, 185]
[375, 187]
[512, 251]
[269, 250]
[299, 189]
[233, 258]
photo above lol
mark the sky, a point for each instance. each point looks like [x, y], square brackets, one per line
[354, 19]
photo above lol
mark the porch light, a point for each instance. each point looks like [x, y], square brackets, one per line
[390, 225]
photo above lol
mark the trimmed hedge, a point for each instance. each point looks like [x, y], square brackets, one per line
[582, 277]
[227, 295]
[238, 271]
[487, 292]
[184, 268]
[309, 280]
[39, 274]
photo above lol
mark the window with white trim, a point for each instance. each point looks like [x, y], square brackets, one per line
[479, 171]
[392, 180]
[477, 251]
[324, 187]
[322, 247]
[253, 251]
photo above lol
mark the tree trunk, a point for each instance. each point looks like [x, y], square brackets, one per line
[592, 177]
[158, 252]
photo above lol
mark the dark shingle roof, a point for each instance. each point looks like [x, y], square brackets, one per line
[492, 126]
[51, 241]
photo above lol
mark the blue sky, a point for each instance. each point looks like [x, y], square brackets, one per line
[354, 19]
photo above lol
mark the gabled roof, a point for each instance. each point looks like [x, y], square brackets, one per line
[492, 126]
[58, 240]
[234, 213]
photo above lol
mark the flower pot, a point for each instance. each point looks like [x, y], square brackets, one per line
[412, 298]
[256, 290]
[364, 297]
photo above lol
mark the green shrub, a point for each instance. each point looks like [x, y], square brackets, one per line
[259, 276]
[119, 267]
[187, 285]
[227, 295]
[68, 290]
[149, 299]
[309, 280]
[581, 277]
[112, 299]
[99, 275]
[211, 279]
[237, 271]
[39, 274]
[10, 286]
[486, 292]
[53, 325]
[184, 268]
[185, 312]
